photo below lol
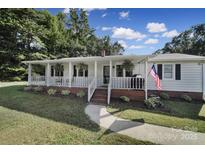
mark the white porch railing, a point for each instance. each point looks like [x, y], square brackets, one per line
[38, 80]
[59, 81]
[127, 83]
[91, 88]
[81, 81]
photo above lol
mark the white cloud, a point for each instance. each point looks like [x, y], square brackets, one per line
[170, 34]
[104, 15]
[124, 15]
[66, 11]
[127, 33]
[151, 41]
[123, 43]
[155, 27]
[136, 47]
[156, 35]
[92, 9]
[107, 28]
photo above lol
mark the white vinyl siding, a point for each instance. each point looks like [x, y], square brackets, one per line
[191, 79]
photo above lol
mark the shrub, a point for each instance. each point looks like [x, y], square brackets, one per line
[186, 98]
[38, 89]
[27, 88]
[65, 92]
[164, 95]
[51, 91]
[80, 94]
[153, 103]
[15, 79]
[125, 98]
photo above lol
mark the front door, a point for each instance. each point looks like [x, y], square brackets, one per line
[106, 74]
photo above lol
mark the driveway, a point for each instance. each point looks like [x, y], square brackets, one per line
[142, 131]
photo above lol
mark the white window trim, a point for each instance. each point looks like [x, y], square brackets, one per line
[173, 72]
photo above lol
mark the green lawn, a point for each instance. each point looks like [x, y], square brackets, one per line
[180, 115]
[29, 118]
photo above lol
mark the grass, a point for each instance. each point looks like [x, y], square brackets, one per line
[182, 115]
[31, 118]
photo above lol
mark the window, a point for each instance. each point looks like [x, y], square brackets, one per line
[81, 72]
[119, 71]
[128, 73]
[168, 71]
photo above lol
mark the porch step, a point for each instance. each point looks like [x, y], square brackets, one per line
[99, 96]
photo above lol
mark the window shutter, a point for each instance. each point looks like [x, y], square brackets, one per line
[159, 71]
[178, 71]
[74, 71]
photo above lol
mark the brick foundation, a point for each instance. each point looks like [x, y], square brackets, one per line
[134, 95]
[177, 94]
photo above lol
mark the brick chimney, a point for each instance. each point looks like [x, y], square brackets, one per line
[103, 53]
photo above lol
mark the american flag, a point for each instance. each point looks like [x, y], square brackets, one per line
[155, 76]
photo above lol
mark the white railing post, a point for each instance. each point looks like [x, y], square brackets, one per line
[70, 74]
[96, 72]
[29, 73]
[48, 74]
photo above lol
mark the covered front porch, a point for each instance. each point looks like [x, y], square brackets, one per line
[91, 73]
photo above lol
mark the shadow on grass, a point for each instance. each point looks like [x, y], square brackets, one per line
[172, 108]
[68, 110]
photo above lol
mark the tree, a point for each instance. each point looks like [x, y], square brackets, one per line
[191, 41]
[29, 34]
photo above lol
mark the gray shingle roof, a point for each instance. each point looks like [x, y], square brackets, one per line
[175, 57]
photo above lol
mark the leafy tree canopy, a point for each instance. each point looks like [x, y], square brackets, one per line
[29, 34]
[191, 41]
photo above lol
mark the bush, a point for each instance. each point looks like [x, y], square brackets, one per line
[186, 98]
[164, 95]
[65, 92]
[38, 89]
[80, 94]
[125, 98]
[15, 79]
[153, 103]
[27, 88]
[51, 91]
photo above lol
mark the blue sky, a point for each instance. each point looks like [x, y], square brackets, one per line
[141, 31]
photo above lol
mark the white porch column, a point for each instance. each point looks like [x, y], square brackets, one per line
[110, 71]
[29, 73]
[145, 84]
[203, 80]
[70, 73]
[77, 72]
[48, 74]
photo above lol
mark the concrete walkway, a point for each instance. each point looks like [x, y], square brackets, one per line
[142, 131]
